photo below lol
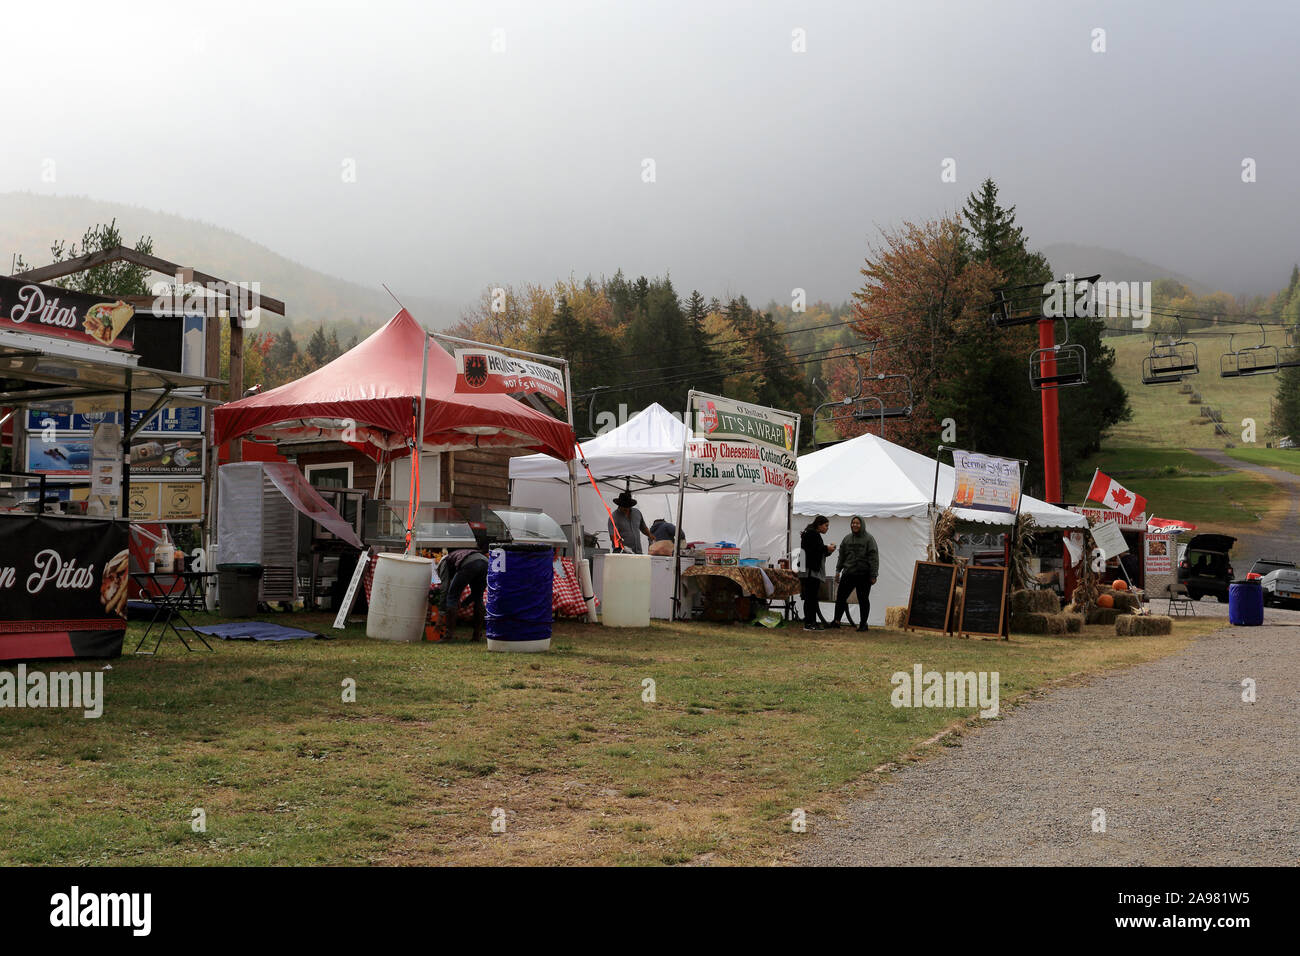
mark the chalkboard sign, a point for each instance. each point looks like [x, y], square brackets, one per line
[984, 601]
[930, 603]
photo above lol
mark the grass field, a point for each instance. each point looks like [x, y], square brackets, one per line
[1285, 459]
[748, 725]
[1180, 484]
[1165, 418]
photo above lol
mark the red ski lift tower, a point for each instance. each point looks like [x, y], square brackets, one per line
[1026, 304]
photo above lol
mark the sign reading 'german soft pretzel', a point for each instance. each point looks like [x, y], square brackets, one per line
[483, 371]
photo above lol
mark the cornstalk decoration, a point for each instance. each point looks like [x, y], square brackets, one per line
[943, 541]
[1023, 552]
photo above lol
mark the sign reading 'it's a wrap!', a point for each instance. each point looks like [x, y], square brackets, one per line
[483, 371]
[73, 316]
[742, 446]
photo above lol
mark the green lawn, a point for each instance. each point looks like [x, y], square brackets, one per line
[749, 724]
[1180, 484]
[1164, 417]
[1286, 459]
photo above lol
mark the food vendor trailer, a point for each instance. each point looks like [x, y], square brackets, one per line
[63, 576]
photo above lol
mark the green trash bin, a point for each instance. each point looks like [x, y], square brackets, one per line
[237, 589]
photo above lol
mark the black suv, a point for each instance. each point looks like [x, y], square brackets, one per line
[1205, 567]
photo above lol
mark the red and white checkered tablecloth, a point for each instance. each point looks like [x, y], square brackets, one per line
[566, 597]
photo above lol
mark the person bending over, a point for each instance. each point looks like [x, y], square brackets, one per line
[461, 569]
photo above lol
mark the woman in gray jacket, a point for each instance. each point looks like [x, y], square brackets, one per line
[858, 565]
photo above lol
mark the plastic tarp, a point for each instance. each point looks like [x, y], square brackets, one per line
[644, 454]
[240, 483]
[367, 398]
[295, 486]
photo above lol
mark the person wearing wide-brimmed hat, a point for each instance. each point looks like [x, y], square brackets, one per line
[629, 522]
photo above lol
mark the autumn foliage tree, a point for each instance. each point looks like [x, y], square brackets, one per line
[924, 305]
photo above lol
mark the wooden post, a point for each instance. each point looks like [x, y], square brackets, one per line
[236, 390]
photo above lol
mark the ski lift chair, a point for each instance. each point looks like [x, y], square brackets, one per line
[1060, 366]
[1024, 304]
[1259, 359]
[1169, 363]
[1289, 355]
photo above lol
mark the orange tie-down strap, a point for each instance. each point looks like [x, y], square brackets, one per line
[618, 541]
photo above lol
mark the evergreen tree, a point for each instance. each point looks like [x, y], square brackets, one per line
[283, 350]
[318, 348]
[1010, 414]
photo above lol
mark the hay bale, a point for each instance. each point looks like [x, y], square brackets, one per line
[954, 613]
[1142, 625]
[896, 617]
[1042, 601]
[1022, 602]
[1045, 600]
[1073, 623]
[1126, 601]
[1036, 622]
[1102, 615]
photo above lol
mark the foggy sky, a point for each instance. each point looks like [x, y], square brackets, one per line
[773, 168]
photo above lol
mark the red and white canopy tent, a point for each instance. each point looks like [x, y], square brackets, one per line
[368, 398]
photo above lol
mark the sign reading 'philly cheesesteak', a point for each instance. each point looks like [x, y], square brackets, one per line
[738, 444]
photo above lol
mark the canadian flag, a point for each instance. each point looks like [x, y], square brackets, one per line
[1111, 493]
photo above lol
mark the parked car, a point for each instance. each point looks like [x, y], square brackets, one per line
[1205, 566]
[1281, 580]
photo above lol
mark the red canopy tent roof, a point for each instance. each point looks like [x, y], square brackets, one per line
[367, 399]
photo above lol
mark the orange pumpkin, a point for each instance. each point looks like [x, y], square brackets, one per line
[1120, 584]
[1105, 600]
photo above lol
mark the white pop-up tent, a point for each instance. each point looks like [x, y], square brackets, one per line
[891, 488]
[644, 455]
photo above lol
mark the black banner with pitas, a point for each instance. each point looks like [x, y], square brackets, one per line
[72, 316]
[63, 584]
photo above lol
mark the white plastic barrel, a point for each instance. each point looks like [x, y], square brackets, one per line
[399, 597]
[625, 601]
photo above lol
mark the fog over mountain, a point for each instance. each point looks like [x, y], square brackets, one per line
[742, 147]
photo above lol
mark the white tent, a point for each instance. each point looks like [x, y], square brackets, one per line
[645, 455]
[891, 488]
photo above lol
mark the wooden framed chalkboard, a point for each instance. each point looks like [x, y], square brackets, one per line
[930, 602]
[984, 601]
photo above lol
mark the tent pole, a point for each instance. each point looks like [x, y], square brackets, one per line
[418, 451]
[575, 517]
[681, 500]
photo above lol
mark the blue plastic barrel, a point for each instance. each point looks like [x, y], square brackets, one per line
[1246, 604]
[519, 589]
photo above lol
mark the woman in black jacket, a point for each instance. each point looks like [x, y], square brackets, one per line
[812, 570]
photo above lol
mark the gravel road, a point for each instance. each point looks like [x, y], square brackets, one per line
[1186, 772]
